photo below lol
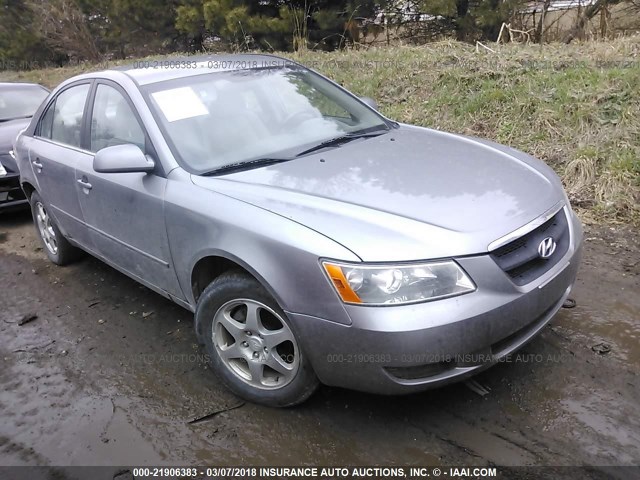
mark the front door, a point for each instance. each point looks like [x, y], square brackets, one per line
[124, 211]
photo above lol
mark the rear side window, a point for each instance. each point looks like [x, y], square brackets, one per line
[113, 121]
[47, 122]
[63, 120]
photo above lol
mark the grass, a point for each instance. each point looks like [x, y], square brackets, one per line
[576, 107]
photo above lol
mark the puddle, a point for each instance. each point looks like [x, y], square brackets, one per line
[604, 417]
[617, 325]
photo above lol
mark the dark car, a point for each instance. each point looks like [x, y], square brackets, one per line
[18, 103]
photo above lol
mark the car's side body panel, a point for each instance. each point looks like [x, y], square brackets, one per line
[282, 254]
[125, 215]
[56, 177]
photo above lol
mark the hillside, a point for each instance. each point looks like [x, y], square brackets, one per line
[577, 107]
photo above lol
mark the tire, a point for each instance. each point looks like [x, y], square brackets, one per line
[57, 248]
[250, 344]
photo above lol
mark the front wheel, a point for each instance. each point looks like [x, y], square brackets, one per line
[250, 344]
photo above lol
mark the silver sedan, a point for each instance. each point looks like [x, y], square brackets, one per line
[314, 239]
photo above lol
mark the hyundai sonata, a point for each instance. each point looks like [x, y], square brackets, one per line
[314, 239]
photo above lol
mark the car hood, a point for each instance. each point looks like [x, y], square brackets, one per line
[8, 132]
[412, 193]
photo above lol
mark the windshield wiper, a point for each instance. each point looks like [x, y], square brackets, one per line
[334, 142]
[237, 167]
[263, 162]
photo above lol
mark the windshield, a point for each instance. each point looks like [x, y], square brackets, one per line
[229, 118]
[20, 102]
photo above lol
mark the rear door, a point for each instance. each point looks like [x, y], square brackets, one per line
[124, 211]
[54, 151]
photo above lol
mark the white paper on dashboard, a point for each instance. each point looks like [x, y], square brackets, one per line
[180, 104]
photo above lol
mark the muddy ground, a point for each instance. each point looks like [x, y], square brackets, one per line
[110, 373]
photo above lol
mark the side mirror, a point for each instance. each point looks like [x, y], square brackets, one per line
[370, 101]
[122, 159]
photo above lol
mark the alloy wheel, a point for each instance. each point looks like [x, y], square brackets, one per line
[45, 227]
[255, 343]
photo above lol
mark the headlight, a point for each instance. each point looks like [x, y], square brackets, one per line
[397, 284]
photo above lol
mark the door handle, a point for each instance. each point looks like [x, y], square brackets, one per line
[84, 183]
[36, 163]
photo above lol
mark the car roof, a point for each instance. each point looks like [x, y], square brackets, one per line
[145, 72]
[8, 85]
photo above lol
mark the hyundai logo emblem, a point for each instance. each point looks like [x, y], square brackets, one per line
[547, 247]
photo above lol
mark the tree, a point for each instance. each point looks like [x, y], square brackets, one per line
[63, 28]
[190, 22]
[20, 45]
[132, 27]
[467, 20]
[272, 24]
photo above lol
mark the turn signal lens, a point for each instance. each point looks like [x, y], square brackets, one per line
[341, 284]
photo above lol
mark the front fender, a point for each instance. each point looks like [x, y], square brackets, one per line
[281, 254]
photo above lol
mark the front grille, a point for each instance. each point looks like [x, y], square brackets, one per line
[520, 259]
[421, 371]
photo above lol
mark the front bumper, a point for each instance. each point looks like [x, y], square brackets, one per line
[403, 349]
[11, 195]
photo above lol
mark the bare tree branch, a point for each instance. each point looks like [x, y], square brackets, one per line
[587, 15]
[64, 28]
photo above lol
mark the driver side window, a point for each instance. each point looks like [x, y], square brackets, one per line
[113, 121]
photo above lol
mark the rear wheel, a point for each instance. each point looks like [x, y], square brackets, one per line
[57, 248]
[250, 343]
